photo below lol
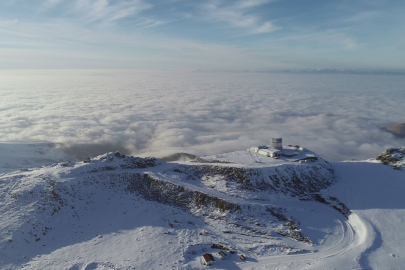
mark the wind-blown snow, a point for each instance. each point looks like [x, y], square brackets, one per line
[160, 112]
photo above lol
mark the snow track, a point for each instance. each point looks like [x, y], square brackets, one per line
[356, 234]
[348, 241]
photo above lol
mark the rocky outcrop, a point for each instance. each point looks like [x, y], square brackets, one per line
[290, 180]
[113, 161]
[394, 157]
[328, 200]
[168, 193]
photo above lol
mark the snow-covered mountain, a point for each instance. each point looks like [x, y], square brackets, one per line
[122, 212]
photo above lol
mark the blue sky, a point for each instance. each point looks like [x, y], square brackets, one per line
[210, 35]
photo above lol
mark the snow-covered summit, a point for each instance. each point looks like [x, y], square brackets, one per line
[48, 206]
[253, 157]
[122, 212]
[113, 161]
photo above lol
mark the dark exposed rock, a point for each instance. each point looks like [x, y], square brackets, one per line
[113, 161]
[289, 179]
[394, 157]
[203, 160]
[168, 193]
[328, 200]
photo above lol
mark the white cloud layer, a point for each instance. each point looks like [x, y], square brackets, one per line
[161, 112]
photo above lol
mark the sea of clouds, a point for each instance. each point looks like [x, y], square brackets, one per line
[163, 112]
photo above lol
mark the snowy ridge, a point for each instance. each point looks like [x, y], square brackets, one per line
[98, 213]
[37, 201]
[285, 180]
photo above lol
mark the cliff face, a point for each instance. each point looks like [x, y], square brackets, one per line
[262, 183]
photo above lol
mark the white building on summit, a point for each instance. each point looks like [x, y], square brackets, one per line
[274, 150]
[274, 153]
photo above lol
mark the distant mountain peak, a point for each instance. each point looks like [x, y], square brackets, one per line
[396, 129]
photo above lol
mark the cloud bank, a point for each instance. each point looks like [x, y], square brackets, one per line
[160, 112]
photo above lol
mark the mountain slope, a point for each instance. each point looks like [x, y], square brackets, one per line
[121, 212]
[375, 193]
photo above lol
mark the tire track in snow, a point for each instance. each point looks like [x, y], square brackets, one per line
[355, 231]
[371, 240]
[343, 245]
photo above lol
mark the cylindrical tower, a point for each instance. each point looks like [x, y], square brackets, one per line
[276, 143]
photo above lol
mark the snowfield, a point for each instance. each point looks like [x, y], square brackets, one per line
[121, 212]
[375, 193]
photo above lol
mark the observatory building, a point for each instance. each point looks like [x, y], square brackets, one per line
[276, 143]
[274, 150]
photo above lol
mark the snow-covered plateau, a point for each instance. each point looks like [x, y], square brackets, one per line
[113, 211]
